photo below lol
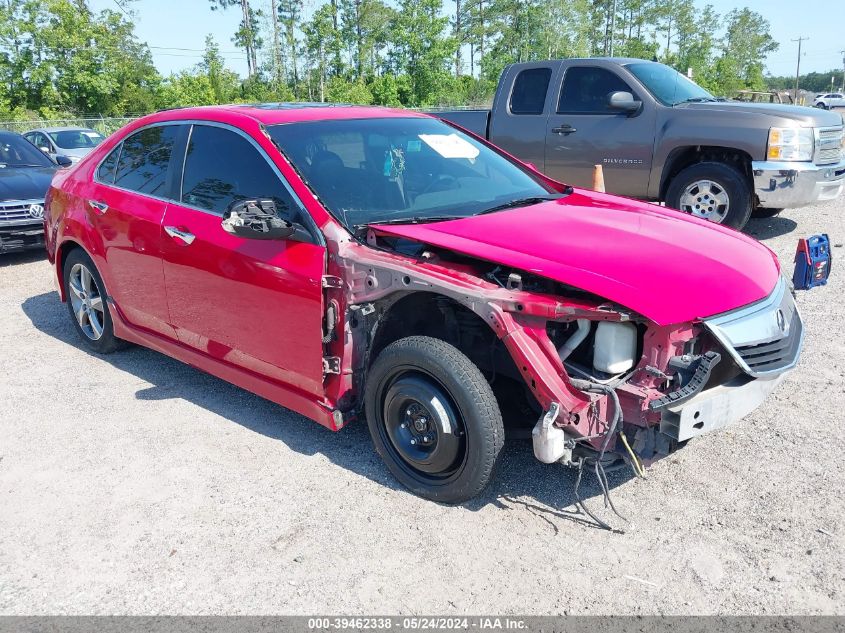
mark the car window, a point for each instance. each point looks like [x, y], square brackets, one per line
[221, 166]
[529, 91]
[585, 90]
[144, 160]
[105, 173]
[76, 139]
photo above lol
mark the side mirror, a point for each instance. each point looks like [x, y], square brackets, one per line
[46, 150]
[63, 161]
[623, 101]
[256, 220]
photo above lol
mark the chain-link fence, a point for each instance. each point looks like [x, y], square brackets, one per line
[103, 125]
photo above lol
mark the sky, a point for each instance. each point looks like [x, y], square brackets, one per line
[175, 30]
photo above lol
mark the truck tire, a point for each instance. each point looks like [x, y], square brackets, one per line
[712, 191]
[765, 212]
[433, 419]
[86, 303]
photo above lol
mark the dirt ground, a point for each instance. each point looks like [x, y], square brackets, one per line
[133, 484]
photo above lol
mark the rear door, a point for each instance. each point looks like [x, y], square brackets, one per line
[518, 118]
[583, 131]
[126, 205]
[253, 303]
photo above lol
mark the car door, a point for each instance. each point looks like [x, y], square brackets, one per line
[126, 205]
[253, 303]
[584, 131]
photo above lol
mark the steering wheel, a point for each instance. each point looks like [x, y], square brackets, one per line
[442, 178]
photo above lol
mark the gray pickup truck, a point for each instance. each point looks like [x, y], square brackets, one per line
[661, 137]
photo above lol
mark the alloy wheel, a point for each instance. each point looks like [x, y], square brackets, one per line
[86, 301]
[706, 199]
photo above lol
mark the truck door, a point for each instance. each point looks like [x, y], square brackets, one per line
[519, 115]
[583, 131]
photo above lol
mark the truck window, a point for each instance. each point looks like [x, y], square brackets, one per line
[585, 90]
[529, 91]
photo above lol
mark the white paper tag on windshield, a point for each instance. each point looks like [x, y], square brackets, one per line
[450, 145]
[91, 134]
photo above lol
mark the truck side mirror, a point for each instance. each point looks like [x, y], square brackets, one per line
[63, 161]
[623, 101]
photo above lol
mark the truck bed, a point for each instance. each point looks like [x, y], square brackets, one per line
[476, 121]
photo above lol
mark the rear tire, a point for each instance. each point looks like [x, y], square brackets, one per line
[765, 212]
[87, 303]
[433, 419]
[712, 191]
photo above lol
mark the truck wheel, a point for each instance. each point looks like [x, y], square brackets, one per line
[86, 302]
[712, 191]
[433, 419]
[765, 212]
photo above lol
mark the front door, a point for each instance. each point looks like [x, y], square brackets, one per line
[583, 132]
[126, 203]
[252, 303]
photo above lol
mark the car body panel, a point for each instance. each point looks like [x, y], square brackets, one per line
[253, 303]
[619, 249]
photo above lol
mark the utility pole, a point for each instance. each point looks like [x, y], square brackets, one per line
[798, 68]
[612, 25]
[842, 89]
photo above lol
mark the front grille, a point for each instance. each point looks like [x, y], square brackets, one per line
[775, 354]
[16, 210]
[764, 338]
[829, 145]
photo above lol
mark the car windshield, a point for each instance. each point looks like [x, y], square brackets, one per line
[668, 85]
[76, 139]
[16, 151]
[403, 170]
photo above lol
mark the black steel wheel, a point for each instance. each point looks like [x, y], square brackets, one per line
[433, 419]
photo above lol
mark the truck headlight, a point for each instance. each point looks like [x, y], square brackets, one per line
[790, 143]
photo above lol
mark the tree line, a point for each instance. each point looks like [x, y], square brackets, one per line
[60, 57]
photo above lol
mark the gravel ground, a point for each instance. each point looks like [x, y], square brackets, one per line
[133, 484]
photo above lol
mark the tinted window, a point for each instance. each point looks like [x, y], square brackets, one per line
[106, 171]
[144, 160]
[586, 89]
[16, 151]
[76, 139]
[222, 166]
[529, 91]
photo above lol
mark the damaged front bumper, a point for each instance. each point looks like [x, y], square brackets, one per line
[717, 407]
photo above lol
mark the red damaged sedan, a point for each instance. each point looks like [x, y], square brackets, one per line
[350, 262]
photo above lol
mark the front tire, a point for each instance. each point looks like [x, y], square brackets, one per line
[712, 191]
[87, 305]
[434, 419]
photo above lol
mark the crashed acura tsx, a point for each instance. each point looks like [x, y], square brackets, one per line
[352, 262]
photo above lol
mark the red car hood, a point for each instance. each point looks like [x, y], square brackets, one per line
[667, 266]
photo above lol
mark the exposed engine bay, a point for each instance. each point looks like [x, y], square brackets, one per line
[604, 387]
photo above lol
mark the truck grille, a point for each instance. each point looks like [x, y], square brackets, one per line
[829, 145]
[17, 210]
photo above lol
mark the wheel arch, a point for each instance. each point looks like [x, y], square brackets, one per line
[682, 157]
[62, 252]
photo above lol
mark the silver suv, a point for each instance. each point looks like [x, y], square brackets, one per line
[830, 100]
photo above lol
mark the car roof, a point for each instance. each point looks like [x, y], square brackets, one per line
[69, 128]
[278, 113]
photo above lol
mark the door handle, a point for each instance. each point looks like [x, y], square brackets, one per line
[564, 129]
[99, 208]
[177, 234]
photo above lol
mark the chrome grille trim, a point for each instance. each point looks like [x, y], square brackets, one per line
[753, 335]
[829, 145]
[17, 210]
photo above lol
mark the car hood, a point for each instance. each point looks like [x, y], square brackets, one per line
[665, 265]
[75, 153]
[806, 116]
[25, 183]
